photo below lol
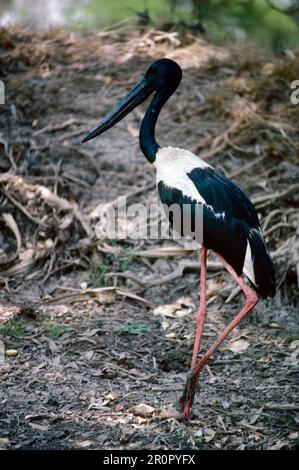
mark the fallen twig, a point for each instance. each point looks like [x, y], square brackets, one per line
[20, 207]
[282, 406]
[11, 223]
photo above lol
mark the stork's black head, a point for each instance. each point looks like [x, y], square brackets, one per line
[164, 75]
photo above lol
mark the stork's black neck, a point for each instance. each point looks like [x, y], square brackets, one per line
[147, 140]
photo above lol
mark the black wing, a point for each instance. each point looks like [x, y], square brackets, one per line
[229, 221]
[228, 214]
[224, 235]
[223, 195]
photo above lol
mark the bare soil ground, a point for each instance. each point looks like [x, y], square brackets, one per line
[83, 343]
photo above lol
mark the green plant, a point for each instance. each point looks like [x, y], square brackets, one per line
[134, 329]
[290, 337]
[97, 272]
[13, 328]
[56, 331]
[124, 262]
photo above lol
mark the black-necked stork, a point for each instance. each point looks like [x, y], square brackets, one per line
[230, 223]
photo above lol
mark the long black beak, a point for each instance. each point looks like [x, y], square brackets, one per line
[139, 93]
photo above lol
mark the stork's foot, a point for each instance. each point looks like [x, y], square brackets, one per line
[183, 416]
[172, 412]
[186, 400]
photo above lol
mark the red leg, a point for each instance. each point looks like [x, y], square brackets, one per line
[192, 381]
[201, 316]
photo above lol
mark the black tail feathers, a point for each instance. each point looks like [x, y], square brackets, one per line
[264, 273]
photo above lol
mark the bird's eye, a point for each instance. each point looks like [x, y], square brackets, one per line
[152, 70]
